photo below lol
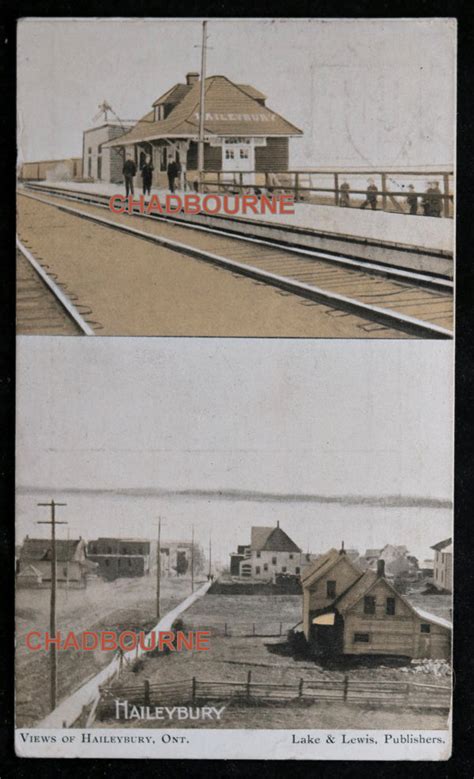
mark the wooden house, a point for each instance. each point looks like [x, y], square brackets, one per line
[348, 612]
[72, 565]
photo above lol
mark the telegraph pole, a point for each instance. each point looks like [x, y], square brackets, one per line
[202, 111]
[158, 570]
[192, 559]
[52, 614]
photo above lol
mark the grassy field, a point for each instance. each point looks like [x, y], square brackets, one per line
[230, 658]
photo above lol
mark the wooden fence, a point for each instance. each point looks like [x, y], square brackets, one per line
[196, 692]
[324, 187]
[248, 629]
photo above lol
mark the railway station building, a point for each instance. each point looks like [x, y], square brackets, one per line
[242, 135]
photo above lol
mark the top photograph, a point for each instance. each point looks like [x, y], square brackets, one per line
[266, 178]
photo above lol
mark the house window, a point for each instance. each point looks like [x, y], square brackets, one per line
[297, 570]
[257, 570]
[425, 628]
[390, 607]
[259, 554]
[331, 589]
[129, 563]
[107, 563]
[369, 604]
[265, 566]
[140, 550]
[274, 561]
[65, 570]
[290, 556]
[109, 550]
[361, 638]
[283, 570]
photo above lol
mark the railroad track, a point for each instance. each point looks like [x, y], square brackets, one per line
[413, 303]
[42, 302]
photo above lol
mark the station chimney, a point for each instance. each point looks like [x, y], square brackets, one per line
[191, 78]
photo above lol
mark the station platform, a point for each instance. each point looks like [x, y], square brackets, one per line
[416, 242]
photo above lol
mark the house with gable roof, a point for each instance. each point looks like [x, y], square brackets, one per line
[242, 134]
[350, 612]
[271, 553]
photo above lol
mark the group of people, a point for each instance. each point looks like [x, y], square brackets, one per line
[431, 202]
[130, 171]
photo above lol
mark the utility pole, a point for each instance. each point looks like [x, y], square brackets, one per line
[158, 570]
[67, 566]
[192, 559]
[52, 614]
[210, 555]
[202, 111]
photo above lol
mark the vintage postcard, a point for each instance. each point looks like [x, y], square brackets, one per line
[304, 191]
[234, 528]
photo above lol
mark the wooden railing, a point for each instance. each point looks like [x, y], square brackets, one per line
[194, 691]
[302, 184]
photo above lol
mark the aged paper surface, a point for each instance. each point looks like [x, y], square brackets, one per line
[235, 388]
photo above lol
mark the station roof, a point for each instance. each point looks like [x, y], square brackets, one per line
[231, 109]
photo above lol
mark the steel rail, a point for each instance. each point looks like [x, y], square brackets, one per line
[393, 319]
[432, 282]
[69, 307]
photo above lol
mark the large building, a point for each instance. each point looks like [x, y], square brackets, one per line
[346, 611]
[72, 565]
[121, 557]
[242, 135]
[443, 565]
[271, 552]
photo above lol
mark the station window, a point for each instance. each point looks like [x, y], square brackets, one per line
[425, 628]
[369, 604]
[229, 154]
[361, 638]
[390, 606]
[331, 589]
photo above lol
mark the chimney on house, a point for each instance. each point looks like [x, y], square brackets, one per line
[380, 568]
[191, 78]
[342, 550]
[278, 523]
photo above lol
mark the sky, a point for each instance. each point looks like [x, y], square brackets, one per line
[364, 92]
[334, 439]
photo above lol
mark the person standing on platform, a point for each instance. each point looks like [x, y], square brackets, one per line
[344, 199]
[129, 171]
[412, 200]
[371, 196]
[172, 172]
[436, 199]
[147, 175]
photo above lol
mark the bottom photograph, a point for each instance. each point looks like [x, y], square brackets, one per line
[234, 548]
